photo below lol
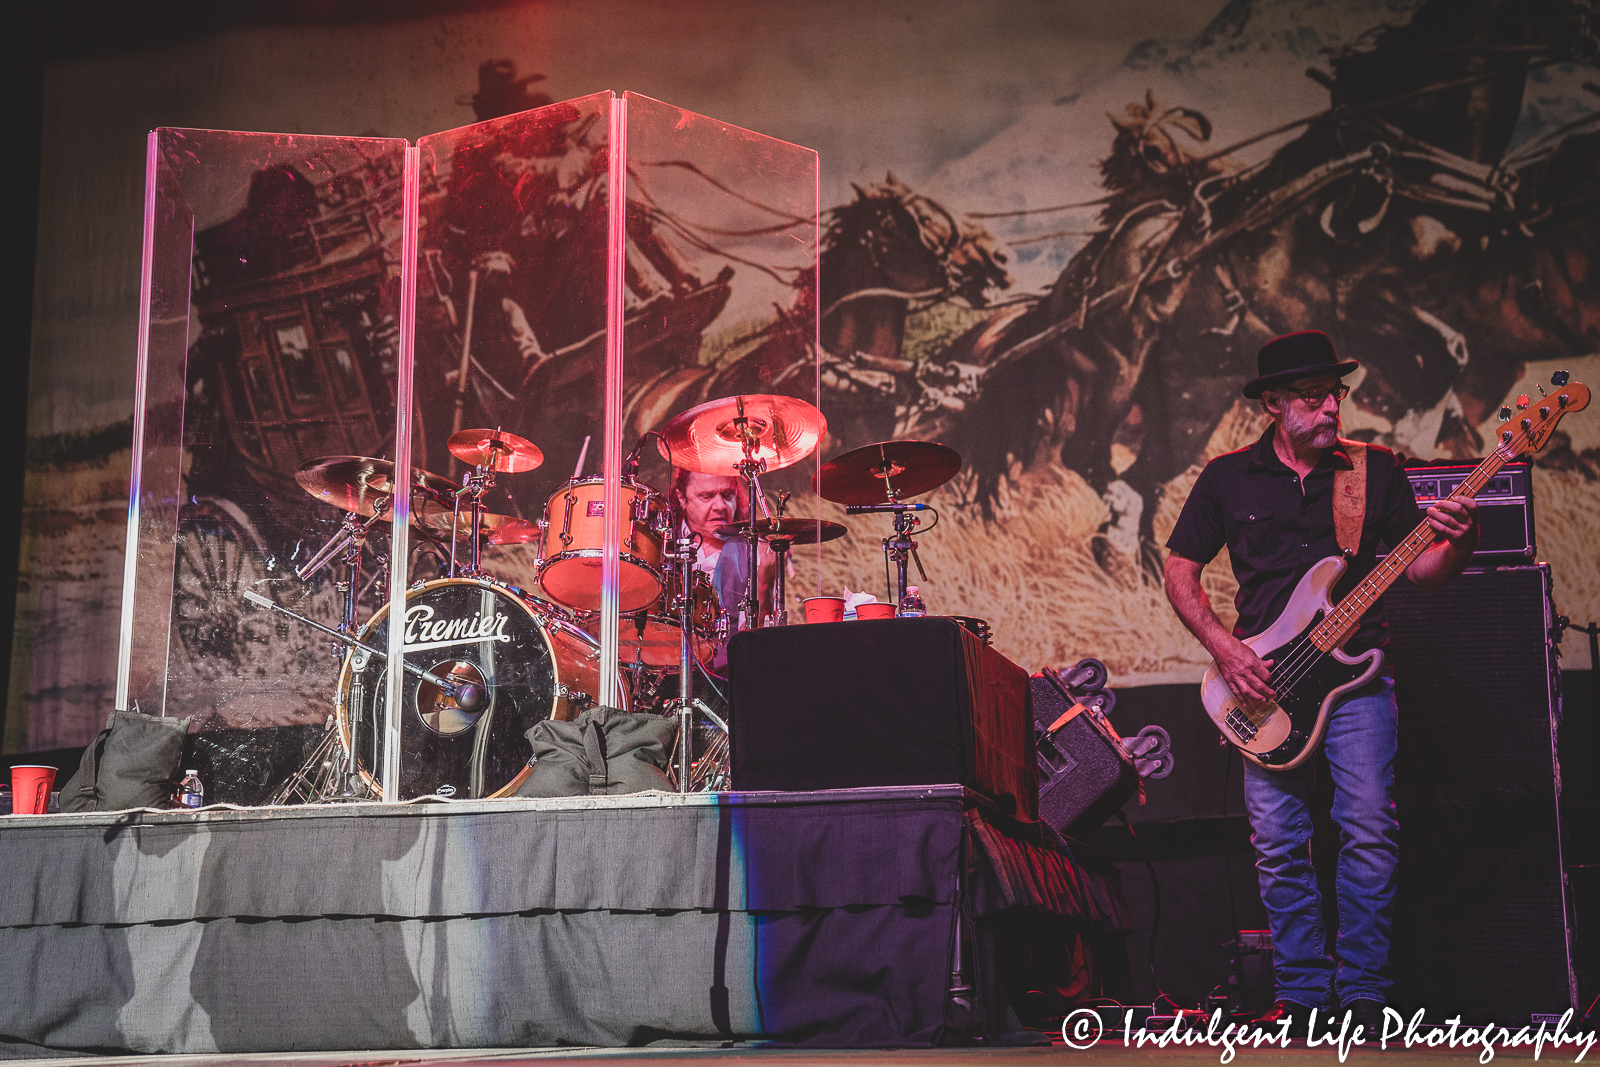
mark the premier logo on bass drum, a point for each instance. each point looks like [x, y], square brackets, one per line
[423, 631]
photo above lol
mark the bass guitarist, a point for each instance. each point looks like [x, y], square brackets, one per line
[1272, 505]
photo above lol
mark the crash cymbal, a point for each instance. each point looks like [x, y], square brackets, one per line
[710, 438]
[865, 475]
[795, 530]
[501, 452]
[357, 483]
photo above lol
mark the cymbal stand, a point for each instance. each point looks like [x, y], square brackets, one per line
[750, 469]
[902, 546]
[329, 772]
[683, 552]
[478, 481]
[780, 548]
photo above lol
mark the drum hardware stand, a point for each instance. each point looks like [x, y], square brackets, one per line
[329, 773]
[750, 469]
[683, 552]
[326, 776]
[479, 481]
[901, 545]
[780, 547]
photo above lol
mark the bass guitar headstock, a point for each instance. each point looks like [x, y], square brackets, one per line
[1531, 429]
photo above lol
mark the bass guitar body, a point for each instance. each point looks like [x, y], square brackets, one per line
[1282, 733]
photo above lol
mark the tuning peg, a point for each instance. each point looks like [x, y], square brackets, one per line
[1539, 387]
[1505, 414]
[1523, 402]
[1560, 378]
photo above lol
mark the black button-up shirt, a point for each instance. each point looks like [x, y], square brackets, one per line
[1275, 528]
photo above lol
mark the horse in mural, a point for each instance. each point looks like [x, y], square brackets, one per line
[884, 255]
[1394, 220]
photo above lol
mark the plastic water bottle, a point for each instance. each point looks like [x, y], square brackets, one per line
[191, 792]
[911, 605]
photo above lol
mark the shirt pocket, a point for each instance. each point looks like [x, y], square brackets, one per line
[1252, 532]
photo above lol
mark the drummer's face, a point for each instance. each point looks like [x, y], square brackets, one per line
[709, 501]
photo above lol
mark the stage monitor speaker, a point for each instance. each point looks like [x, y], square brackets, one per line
[1084, 774]
[1483, 923]
[845, 705]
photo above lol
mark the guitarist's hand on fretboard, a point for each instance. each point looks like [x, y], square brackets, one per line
[1454, 522]
[1455, 518]
[1247, 674]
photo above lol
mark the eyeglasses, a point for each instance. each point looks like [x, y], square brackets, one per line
[1315, 397]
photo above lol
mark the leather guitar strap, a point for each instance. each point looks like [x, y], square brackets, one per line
[1350, 499]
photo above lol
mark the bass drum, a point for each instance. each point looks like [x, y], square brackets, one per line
[532, 667]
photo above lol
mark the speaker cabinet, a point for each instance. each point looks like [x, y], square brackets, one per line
[1084, 775]
[1483, 919]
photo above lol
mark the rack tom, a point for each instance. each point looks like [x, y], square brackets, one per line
[574, 539]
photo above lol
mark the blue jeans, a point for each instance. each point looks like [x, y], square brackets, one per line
[1360, 744]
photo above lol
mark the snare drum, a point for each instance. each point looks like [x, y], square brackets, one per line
[574, 538]
[532, 665]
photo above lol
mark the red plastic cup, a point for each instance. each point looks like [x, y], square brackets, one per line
[824, 608]
[30, 788]
[874, 611]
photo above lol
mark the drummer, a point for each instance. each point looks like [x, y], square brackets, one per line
[711, 500]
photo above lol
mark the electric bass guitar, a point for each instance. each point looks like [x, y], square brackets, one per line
[1310, 669]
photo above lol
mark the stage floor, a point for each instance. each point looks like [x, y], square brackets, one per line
[1037, 1056]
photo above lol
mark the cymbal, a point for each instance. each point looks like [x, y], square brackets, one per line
[357, 483]
[498, 529]
[710, 438]
[514, 531]
[864, 475]
[793, 529]
[501, 452]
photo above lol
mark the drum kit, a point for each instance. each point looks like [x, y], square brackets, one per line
[486, 660]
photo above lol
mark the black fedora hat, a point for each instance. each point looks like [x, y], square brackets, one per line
[1303, 354]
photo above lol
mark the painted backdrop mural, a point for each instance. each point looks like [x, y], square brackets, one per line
[1056, 252]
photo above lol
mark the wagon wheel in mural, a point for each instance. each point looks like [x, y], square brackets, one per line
[227, 645]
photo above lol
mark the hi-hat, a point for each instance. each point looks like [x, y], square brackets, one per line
[501, 452]
[711, 438]
[886, 471]
[358, 483]
[792, 529]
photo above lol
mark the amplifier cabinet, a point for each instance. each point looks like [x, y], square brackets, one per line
[1505, 507]
[1483, 919]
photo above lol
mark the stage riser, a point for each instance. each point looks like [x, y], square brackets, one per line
[827, 919]
[586, 978]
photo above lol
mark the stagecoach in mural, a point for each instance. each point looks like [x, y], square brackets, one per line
[292, 360]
